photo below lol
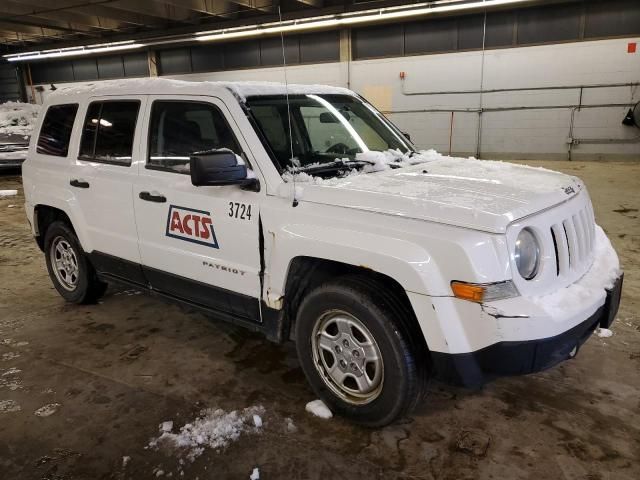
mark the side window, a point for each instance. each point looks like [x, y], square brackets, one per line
[56, 130]
[177, 130]
[107, 135]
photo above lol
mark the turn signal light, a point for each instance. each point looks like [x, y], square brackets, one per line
[468, 291]
[484, 292]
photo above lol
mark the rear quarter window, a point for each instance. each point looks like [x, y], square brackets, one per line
[55, 132]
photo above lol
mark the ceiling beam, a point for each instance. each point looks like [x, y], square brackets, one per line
[42, 8]
[312, 3]
[162, 12]
[18, 13]
[29, 29]
[216, 8]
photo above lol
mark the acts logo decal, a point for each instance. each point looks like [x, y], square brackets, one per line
[191, 225]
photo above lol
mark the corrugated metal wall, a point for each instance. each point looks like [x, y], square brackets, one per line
[10, 83]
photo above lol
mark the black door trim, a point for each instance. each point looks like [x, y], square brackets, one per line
[215, 302]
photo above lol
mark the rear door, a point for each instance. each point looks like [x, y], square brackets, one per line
[103, 175]
[197, 243]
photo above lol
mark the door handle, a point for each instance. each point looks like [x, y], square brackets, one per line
[152, 198]
[79, 183]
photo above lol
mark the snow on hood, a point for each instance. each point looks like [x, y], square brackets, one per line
[17, 118]
[480, 194]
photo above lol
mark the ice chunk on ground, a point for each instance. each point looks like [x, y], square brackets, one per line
[214, 429]
[257, 421]
[319, 409]
[290, 426]
[47, 410]
[166, 426]
[9, 406]
[255, 475]
[603, 332]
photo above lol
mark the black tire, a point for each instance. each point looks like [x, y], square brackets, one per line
[87, 287]
[405, 368]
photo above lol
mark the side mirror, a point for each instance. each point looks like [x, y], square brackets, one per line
[216, 168]
[406, 135]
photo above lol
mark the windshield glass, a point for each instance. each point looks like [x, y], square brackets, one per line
[324, 129]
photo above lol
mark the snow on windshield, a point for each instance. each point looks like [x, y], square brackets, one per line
[17, 118]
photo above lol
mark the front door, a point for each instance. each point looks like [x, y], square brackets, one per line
[196, 243]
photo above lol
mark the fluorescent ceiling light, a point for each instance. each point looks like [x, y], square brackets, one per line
[367, 16]
[73, 51]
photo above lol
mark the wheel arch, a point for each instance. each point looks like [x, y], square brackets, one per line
[44, 216]
[306, 273]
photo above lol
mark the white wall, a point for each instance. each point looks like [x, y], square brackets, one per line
[522, 134]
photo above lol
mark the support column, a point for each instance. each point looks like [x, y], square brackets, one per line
[153, 63]
[345, 55]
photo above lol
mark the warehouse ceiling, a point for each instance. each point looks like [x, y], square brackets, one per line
[28, 24]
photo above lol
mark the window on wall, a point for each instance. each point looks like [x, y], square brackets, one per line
[56, 130]
[180, 129]
[379, 41]
[612, 18]
[85, 69]
[108, 132]
[309, 48]
[555, 23]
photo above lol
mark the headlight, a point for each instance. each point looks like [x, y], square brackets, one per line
[527, 254]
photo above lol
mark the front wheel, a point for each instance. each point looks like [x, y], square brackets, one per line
[357, 352]
[71, 273]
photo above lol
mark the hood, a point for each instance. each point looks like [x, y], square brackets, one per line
[478, 194]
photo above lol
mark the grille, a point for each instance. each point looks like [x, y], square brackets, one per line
[573, 241]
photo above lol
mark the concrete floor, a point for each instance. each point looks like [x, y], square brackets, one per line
[118, 369]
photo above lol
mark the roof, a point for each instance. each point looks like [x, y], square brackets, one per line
[157, 86]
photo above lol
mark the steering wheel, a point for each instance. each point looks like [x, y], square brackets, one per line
[340, 148]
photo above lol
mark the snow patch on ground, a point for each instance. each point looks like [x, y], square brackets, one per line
[603, 332]
[602, 275]
[8, 193]
[255, 475]
[9, 356]
[319, 409]
[18, 118]
[47, 410]
[9, 406]
[213, 428]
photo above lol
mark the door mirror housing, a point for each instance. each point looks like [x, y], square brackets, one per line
[217, 168]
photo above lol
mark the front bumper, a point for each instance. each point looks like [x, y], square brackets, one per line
[474, 369]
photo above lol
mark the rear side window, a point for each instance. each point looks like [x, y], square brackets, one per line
[180, 129]
[56, 130]
[107, 135]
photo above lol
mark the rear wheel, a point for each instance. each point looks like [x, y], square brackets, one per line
[357, 352]
[72, 274]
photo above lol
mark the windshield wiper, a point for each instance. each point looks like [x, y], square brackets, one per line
[336, 165]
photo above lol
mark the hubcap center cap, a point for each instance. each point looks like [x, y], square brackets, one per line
[350, 356]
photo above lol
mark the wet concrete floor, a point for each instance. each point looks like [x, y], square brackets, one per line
[109, 374]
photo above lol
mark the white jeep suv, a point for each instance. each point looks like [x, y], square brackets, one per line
[303, 213]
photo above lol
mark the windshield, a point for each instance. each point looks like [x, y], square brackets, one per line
[324, 129]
